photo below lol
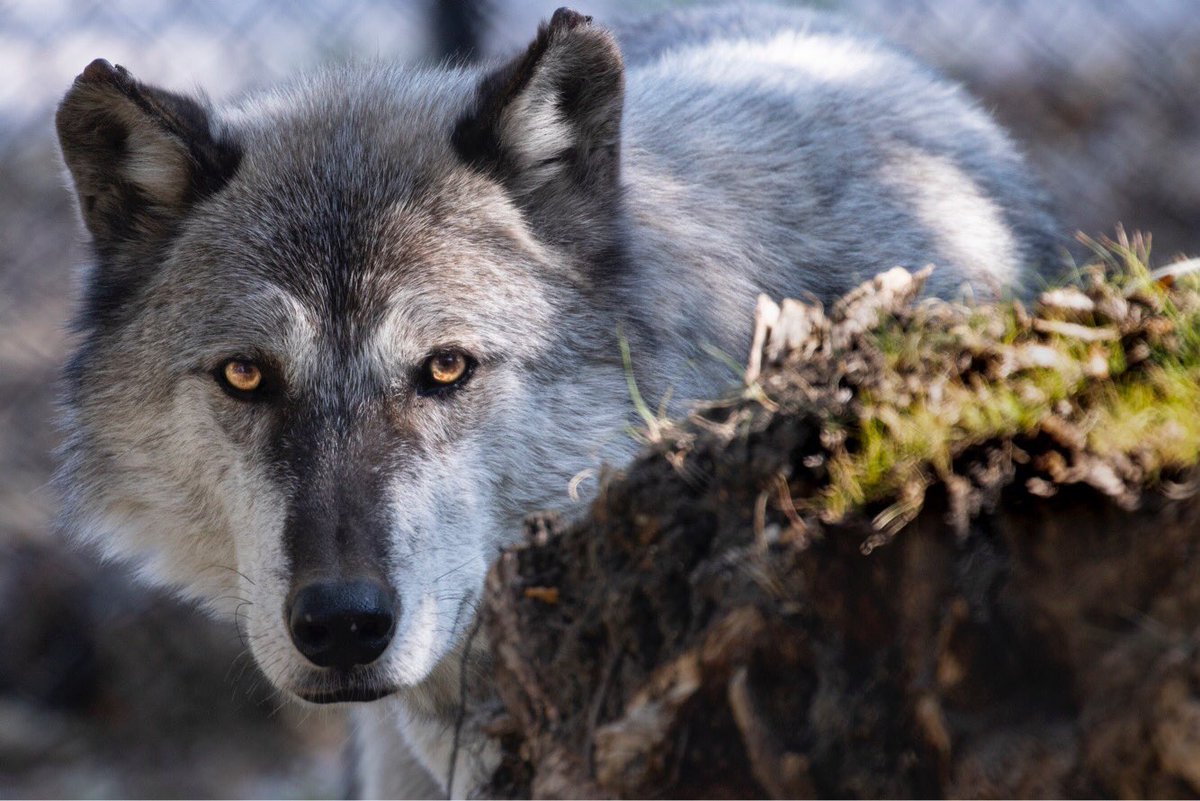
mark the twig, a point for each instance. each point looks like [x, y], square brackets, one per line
[461, 716]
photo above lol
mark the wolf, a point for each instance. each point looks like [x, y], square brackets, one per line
[338, 338]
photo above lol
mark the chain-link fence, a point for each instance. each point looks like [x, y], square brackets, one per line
[109, 690]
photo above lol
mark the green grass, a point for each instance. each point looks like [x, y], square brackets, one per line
[1143, 404]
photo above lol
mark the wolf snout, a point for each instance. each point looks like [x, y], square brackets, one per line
[342, 624]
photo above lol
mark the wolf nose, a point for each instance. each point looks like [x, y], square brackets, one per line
[342, 624]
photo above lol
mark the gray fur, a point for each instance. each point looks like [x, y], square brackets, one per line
[340, 229]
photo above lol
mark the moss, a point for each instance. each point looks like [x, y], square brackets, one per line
[1156, 415]
[1122, 376]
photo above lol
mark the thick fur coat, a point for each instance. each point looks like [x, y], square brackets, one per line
[266, 409]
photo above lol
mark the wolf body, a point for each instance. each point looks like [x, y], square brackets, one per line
[340, 337]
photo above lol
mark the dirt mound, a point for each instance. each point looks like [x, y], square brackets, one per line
[931, 550]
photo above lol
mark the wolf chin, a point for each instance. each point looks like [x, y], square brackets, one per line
[337, 339]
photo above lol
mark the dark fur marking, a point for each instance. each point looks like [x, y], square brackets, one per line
[131, 230]
[476, 136]
[588, 92]
[337, 529]
[211, 163]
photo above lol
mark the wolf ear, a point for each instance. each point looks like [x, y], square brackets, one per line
[139, 156]
[551, 117]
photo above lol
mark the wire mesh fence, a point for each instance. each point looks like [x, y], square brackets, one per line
[100, 692]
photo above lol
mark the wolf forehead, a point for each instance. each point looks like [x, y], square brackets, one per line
[349, 181]
[345, 210]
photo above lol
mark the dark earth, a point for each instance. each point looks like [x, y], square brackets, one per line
[1031, 631]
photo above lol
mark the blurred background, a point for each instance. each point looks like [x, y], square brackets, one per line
[110, 690]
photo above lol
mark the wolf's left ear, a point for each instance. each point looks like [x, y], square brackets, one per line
[551, 117]
[139, 156]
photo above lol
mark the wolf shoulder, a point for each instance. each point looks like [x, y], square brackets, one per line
[833, 148]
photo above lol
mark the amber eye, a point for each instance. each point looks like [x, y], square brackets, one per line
[242, 375]
[447, 367]
[445, 370]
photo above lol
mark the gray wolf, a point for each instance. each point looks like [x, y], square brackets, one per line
[338, 338]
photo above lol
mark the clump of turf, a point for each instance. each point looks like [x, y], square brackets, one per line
[1098, 383]
[713, 626]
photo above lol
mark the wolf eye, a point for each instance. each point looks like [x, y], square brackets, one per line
[240, 376]
[444, 370]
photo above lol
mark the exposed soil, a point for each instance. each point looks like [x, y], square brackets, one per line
[1017, 619]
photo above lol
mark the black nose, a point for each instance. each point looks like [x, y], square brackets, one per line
[342, 624]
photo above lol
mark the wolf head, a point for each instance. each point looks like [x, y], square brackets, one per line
[337, 340]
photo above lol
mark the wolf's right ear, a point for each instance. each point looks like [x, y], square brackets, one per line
[139, 156]
[551, 117]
